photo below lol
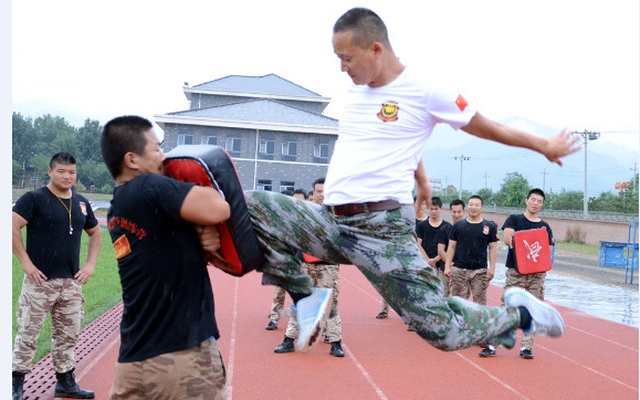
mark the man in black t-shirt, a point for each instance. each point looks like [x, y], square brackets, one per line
[55, 217]
[533, 283]
[456, 209]
[466, 262]
[168, 321]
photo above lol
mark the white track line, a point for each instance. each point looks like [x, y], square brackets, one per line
[98, 358]
[364, 373]
[604, 339]
[495, 378]
[232, 342]
[635, 389]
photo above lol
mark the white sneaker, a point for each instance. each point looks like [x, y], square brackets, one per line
[546, 320]
[311, 313]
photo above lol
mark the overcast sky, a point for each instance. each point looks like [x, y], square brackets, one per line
[560, 63]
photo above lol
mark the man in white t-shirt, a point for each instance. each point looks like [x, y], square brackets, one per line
[368, 215]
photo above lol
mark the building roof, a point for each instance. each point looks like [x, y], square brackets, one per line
[270, 84]
[260, 111]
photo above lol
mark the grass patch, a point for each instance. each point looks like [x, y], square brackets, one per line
[101, 293]
[578, 247]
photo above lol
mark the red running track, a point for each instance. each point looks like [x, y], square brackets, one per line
[595, 359]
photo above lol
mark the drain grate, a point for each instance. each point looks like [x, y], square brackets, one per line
[40, 383]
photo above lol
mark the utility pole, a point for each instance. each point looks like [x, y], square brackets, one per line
[462, 159]
[587, 137]
[544, 178]
[486, 175]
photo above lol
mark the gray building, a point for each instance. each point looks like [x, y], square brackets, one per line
[273, 129]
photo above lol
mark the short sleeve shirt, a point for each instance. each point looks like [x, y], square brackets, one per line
[166, 290]
[381, 135]
[51, 248]
[472, 242]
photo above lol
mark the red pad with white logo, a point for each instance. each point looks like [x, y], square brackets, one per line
[206, 165]
[531, 250]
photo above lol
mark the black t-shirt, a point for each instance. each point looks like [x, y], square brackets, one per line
[429, 236]
[472, 242]
[166, 290]
[51, 248]
[518, 222]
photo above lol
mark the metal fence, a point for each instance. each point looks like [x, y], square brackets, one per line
[606, 216]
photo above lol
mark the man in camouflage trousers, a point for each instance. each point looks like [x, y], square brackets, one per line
[384, 247]
[368, 215]
[322, 274]
[55, 217]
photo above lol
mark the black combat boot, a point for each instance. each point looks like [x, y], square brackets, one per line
[17, 383]
[67, 387]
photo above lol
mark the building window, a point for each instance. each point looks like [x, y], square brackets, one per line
[267, 146]
[284, 185]
[209, 140]
[232, 145]
[185, 139]
[265, 185]
[289, 148]
[321, 150]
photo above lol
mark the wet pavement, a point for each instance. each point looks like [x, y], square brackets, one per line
[604, 301]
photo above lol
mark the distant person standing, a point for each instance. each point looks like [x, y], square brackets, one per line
[428, 231]
[278, 293]
[323, 274]
[456, 209]
[468, 243]
[55, 217]
[534, 283]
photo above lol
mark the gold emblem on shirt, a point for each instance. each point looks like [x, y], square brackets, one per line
[389, 111]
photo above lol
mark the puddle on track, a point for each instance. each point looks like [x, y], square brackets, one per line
[604, 301]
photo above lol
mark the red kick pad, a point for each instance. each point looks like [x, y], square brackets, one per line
[531, 248]
[208, 165]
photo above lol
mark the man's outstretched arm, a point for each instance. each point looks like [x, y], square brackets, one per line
[553, 148]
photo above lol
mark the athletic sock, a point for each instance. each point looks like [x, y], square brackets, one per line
[298, 296]
[525, 318]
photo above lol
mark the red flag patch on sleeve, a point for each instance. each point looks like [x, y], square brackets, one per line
[122, 247]
[461, 102]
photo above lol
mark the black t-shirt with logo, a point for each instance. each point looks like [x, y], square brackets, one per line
[472, 242]
[166, 290]
[518, 222]
[51, 248]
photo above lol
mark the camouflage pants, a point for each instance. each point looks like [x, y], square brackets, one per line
[534, 283]
[384, 247]
[62, 298]
[196, 373]
[384, 307]
[446, 282]
[463, 281]
[323, 275]
[277, 304]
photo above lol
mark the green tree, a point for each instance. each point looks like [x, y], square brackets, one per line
[487, 196]
[88, 136]
[41, 167]
[568, 200]
[17, 173]
[513, 191]
[48, 128]
[23, 140]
